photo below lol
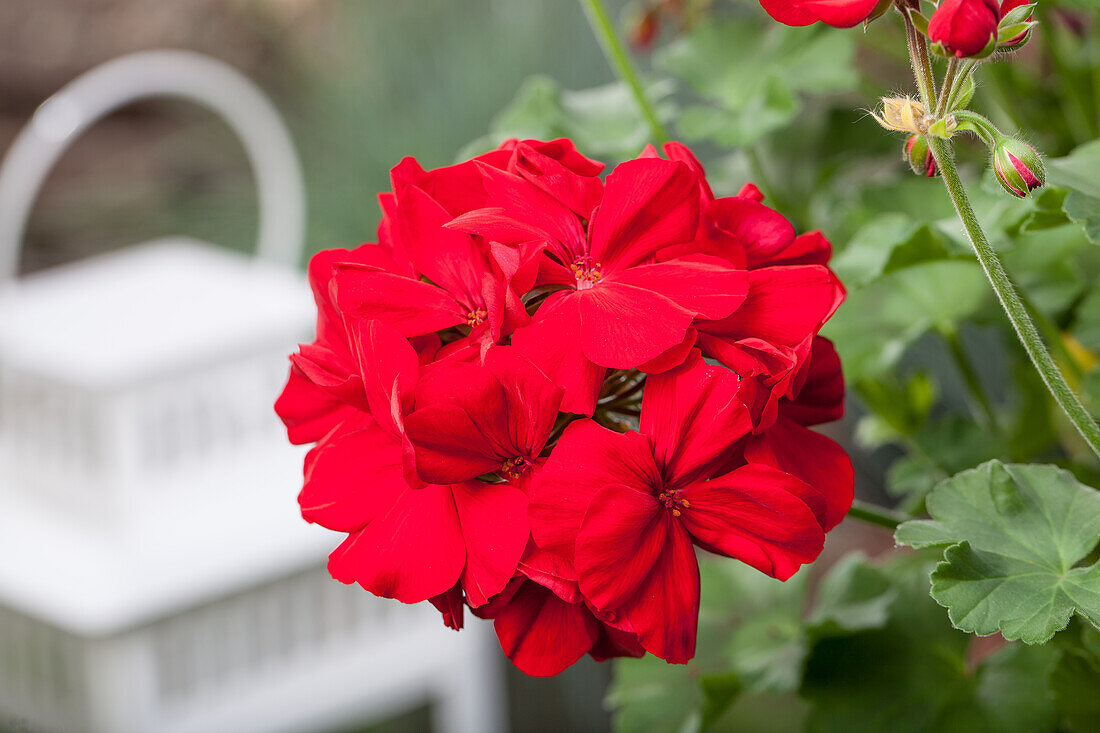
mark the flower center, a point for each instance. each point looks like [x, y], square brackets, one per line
[669, 498]
[513, 468]
[586, 271]
[476, 317]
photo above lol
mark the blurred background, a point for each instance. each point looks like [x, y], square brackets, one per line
[360, 84]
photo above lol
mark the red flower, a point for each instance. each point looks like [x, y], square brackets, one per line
[621, 309]
[472, 419]
[838, 13]
[626, 508]
[545, 625]
[500, 292]
[965, 27]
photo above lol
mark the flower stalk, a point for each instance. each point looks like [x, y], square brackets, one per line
[991, 264]
[620, 60]
[878, 516]
[1010, 300]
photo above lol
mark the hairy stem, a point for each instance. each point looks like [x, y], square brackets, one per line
[922, 64]
[991, 264]
[948, 87]
[1010, 299]
[620, 60]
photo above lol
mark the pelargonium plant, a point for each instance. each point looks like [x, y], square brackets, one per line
[563, 401]
[540, 390]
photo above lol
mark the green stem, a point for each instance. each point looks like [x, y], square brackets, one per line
[1010, 300]
[617, 56]
[948, 88]
[875, 515]
[1053, 337]
[994, 270]
[922, 64]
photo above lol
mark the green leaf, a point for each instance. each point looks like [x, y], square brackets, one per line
[602, 121]
[1045, 266]
[1015, 534]
[1086, 327]
[1074, 682]
[879, 321]
[749, 636]
[909, 671]
[1077, 172]
[1011, 693]
[752, 76]
[902, 677]
[852, 597]
[719, 692]
[766, 645]
[1084, 210]
[649, 695]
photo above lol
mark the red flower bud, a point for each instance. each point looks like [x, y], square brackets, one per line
[1018, 167]
[965, 27]
[1007, 6]
[919, 156]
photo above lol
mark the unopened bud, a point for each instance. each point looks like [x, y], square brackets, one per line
[1014, 29]
[919, 156]
[1018, 167]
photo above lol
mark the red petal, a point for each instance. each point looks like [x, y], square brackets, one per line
[452, 606]
[494, 525]
[622, 535]
[750, 191]
[635, 560]
[531, 399]
[647, 204]
[413, 552]
[551, 571]
[586, 458]
[706, 286]
[813, 458]
[411, 307]
[784, 306]
[616, 643]
[331, 371]
[581, 193]
[760, 231]
[352, 479]
[755, 515]
[308, 411]
[673, 357]
[693, 415]
[820, 398]
[543, 634]
[551, 343]
[680, 152]
[449, 445]
[837, 13]
[390, 369]
[622, 327]
[811, 248]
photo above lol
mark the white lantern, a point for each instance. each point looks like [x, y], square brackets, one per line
[154, 573]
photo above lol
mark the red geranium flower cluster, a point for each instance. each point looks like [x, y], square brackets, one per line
[476, 373]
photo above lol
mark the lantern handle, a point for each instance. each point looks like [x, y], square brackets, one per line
[161, 73]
